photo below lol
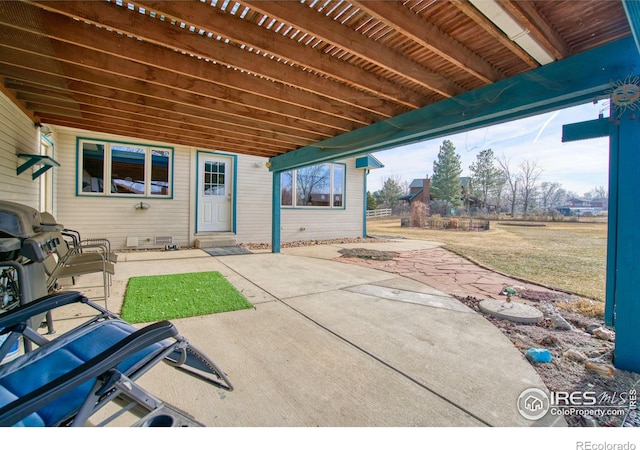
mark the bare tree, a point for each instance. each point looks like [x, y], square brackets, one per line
[511, 179]
[496, 196]
[312, 180]
[529, 173]
[597, 192]
[551, 194]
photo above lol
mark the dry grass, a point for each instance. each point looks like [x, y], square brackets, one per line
[586, 307]
[564, 255]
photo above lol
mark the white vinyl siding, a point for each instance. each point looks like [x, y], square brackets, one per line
[117, 218]
[253, 200]
[18, 134]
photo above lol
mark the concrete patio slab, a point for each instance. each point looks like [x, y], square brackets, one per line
[400, 295]
[457, 355]
[317, 351]
[285, 276]
[289, 372]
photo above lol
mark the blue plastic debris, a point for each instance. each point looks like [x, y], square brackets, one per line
[539, 355]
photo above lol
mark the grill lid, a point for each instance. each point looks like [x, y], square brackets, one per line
[18, 220]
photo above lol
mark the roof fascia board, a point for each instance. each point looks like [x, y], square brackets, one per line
[578, 79]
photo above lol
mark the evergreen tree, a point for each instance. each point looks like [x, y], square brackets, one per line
[485, 176]
[390, 193]
[372, 203]
[445, 182]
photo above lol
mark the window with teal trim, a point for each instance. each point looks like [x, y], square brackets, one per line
[320, 185]
[120, 169]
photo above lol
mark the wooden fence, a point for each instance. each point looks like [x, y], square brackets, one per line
[382, 212]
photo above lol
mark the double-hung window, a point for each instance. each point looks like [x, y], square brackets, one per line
[121, 169]
[320, 185]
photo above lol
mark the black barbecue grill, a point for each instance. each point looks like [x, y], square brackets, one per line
[25, 243]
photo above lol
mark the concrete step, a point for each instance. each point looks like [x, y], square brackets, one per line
[215, 241]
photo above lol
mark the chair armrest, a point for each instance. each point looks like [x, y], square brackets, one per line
[24, 312]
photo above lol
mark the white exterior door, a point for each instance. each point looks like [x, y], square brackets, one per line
[214, 193]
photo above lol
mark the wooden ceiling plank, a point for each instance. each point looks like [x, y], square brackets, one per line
[430, 37]
[323, 27]
[254, 91]
[12, 98]
[159, 106]
[104, 106]
[79, 63]
[531, 19]
[183, 141]
[123, 126]
[160, 33]
[204, 16]
[47, 104]
[121, 86]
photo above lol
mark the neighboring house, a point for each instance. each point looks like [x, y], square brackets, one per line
[580, 206]
[418, 191]
[142, 194]
[578, 202]
[468, 200]
[601, 203]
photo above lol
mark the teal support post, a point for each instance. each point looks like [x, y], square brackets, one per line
[612, 226]
[275, 213]
[627, 260]
[604, 127]
[622, 308]
[364, 213]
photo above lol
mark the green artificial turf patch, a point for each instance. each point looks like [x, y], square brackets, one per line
[166, 297]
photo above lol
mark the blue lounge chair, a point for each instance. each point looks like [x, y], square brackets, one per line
[65, 381]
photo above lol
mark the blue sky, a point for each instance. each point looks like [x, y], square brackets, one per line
[578, 166]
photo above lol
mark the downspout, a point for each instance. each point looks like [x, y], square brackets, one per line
[364, 212]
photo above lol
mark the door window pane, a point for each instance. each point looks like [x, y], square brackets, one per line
[214, 178]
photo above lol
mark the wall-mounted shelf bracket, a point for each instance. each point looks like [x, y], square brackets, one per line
[31, 160]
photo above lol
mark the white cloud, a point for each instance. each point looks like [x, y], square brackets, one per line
[578, 166]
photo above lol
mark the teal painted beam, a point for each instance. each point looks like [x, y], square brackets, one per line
[275, 212]
[627, 271]
[586, 130]
[571, 81]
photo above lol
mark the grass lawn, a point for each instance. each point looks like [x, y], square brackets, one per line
[165, 297]
[565, 255]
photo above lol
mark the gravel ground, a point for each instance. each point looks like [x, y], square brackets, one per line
[565, 373]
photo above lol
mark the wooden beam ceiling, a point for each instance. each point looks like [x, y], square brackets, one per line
[268, 77]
